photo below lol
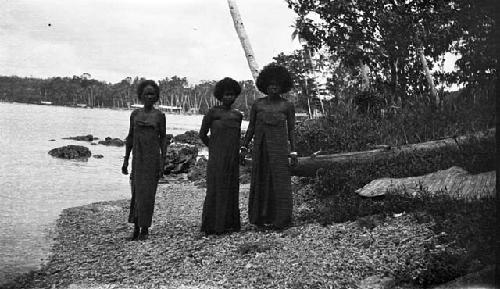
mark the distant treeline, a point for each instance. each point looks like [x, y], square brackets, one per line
[83, 90]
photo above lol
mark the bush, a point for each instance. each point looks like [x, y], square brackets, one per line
[466, 228]
[346, 131]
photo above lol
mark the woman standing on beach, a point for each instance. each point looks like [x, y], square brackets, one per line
[221, 211]
[148, 143]
[272, 122]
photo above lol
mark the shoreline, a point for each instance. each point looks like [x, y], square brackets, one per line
[90, 249]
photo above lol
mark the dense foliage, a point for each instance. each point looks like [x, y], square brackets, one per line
[463, 229]
[346, 130]
[388, 37]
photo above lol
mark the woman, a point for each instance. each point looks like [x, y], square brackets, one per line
[272, 121]
[147, 141]
[221, 212]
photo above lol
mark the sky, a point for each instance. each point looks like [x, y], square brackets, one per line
[114, 39]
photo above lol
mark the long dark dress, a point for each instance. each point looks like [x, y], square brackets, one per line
[221, 210]
[145, 132]
[270, 200]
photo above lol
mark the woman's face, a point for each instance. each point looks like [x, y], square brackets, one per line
[273, 88]
[149, 95]
[228, 97]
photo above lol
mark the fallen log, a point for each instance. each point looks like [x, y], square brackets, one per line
[455, 182]
[308, 166]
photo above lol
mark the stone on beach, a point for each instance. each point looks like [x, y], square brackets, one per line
[71, 152]
[189, 137]
[180, 158]
[88, 137]
[108, 141]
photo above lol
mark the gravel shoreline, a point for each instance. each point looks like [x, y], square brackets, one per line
[91, 250]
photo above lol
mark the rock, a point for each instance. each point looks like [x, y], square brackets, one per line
[112, 142]
[189, 137]
[93, 143]
[71, 152]
[199, 171]
[88, 137]
[98, 156]
[376, 282]
[179, 158]
[169, 137]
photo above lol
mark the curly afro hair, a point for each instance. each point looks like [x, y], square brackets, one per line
[226, 84]
[142, 86]
[274, 72]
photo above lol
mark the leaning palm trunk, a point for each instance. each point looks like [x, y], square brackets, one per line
[245, 43]
[428, 75]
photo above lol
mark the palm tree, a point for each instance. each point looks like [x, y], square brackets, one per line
[242, 35]
[302, 27]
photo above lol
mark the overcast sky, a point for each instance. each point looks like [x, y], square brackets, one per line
[113, 39]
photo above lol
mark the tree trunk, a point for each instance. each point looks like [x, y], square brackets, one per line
[394, 81]
[365, 83]
[314, 76]
[245, 42]
[308, 166]
[428, 75]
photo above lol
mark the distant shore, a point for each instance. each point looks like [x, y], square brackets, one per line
[96, 107]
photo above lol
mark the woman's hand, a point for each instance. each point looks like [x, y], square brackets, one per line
[125, 168]
[160, 171]
[243, 154]
[293, 159]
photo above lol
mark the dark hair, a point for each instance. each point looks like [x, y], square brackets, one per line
[226, 84]
[143, 84]
[277, 73]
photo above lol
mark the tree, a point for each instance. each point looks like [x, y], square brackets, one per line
[393, 37]
[242, 35]
[300, 27]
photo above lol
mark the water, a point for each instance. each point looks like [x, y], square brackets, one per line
[35, 187]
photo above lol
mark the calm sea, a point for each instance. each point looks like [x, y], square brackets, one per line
[35, 187]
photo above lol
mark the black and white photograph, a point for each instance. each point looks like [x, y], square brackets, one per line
[209, 144]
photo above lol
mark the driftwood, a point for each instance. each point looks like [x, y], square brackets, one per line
[454, 181]
[308, 166]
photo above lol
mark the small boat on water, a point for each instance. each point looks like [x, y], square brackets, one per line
[169, 108]
[46, 102]
[165, 108]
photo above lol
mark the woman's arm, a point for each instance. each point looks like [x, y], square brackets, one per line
[205, 127]
[291, 125]
[129, 143]
[290, 121]
[251, 125]
[163, 141]
[163, 135]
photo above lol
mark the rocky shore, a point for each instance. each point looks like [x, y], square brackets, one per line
[91, 250]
